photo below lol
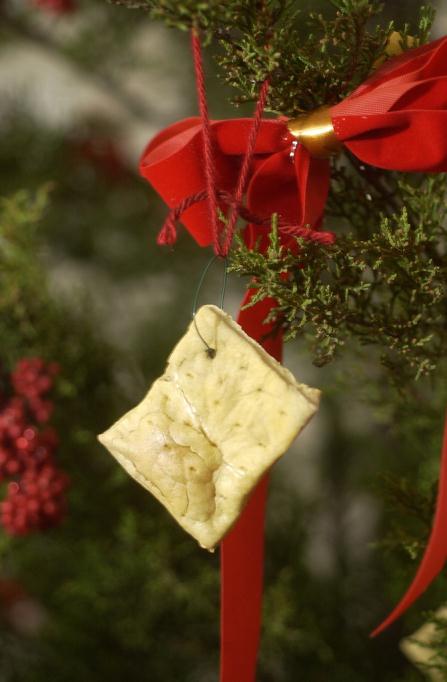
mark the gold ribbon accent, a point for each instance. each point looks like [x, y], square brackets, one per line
[316, 132]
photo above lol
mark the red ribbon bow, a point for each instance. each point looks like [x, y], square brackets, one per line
[396, 120]
[280, 180]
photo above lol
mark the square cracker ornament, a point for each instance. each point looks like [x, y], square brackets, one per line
[211, 426]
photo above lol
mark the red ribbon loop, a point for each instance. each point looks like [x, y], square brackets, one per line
[397, 119]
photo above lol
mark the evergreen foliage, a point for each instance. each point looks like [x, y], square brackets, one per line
[311, 58]
[383, 285]
[125, 593]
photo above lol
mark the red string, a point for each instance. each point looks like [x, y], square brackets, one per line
[168, 232]
[210, 172]
[245, 168]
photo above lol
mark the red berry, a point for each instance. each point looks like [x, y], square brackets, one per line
[13, 488]
[41, 409]
[36, 503]
[32, 378]
[32, 504]
[12, 467]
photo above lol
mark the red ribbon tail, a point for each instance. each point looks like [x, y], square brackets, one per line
[242, 550]
[242, 571]
[435, 555]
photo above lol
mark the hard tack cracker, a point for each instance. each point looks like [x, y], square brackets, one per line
[423, 647]
[210, 427]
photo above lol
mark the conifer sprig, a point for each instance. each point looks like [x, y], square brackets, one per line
[311, 58]
[383, 284]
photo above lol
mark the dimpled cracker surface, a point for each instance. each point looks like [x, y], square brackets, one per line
[209, 428]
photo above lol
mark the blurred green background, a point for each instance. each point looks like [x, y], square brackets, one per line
[119, 591]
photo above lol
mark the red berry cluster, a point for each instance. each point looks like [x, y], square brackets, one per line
[35, 498]
[100, 152]
[56, 6]
[32, 379]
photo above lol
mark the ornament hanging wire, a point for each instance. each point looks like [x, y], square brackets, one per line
[211, 352]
